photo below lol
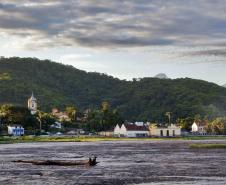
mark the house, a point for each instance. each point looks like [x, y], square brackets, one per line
[108, 133]
[165, 131]
[61, 116]
[72, 132]
[76, 132]
[199, 127]
[131, 130]
[81, 131]
[16, 130]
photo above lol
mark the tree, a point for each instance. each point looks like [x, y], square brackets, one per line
[4, 112]
[217, 126]
[105, 106]
[197, 117]
[94, 121]
[71, 112]
[168, 114]
[17, 115]
[185, 123]
[103, 120]
[45, 120]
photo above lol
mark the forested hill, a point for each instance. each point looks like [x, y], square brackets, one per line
[57, 85]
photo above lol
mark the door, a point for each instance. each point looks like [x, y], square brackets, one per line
[167, 133]
[161, 133]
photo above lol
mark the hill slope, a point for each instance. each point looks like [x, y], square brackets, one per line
[57, 85]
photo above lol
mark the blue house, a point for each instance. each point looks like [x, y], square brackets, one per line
[16, 130]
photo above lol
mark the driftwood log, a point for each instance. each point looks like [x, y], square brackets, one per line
[89, 162]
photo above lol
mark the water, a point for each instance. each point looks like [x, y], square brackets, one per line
[121, 163]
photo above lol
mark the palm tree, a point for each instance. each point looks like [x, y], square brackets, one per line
[4, 112]
[168, 114]
[71, 112]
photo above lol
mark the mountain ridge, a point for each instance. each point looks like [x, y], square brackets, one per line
[58, 85]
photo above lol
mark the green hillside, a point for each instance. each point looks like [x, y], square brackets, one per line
[57, 85]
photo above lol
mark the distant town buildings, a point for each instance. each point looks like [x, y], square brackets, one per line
[130, 130]
[16, 130]
[32, 104]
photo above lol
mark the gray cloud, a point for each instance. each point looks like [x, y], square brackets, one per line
[115, 24]
[209, 52]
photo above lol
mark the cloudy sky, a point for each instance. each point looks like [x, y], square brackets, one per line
[123, 38]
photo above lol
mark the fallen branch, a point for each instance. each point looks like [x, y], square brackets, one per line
[89, 162]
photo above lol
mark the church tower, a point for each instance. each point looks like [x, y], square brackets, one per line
[32, 104]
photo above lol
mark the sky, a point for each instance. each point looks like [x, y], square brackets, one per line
[123, 38]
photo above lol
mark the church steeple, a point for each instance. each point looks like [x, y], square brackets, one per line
[32, 104]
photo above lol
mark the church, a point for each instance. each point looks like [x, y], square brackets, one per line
[32, 104]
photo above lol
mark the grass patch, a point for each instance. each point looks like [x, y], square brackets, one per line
[215, 137]
[30, 139]
[208, 146]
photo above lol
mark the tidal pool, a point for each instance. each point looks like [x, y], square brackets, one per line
[121, 163]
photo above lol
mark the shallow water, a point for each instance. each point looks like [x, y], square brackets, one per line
[121, 163]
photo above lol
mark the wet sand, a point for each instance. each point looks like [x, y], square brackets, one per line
[121, 163]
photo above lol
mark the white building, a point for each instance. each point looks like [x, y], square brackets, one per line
[56, 125]
[169, 131]
[16, 130]
[199, 127]
[131, 130]
[117, 130]
[32, 104]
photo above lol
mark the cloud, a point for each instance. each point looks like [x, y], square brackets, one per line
[209, 52]
[114, 24]
[75, 56]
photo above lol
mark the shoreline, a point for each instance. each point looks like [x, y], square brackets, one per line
[34, 139]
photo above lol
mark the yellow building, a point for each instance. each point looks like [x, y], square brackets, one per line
[168, 131]
[108, 133]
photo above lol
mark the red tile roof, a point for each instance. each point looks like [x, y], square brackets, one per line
[133, 127]
[201, 123]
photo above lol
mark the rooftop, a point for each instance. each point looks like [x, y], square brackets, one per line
[134, 127]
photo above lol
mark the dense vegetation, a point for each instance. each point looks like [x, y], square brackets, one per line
[57, 85]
